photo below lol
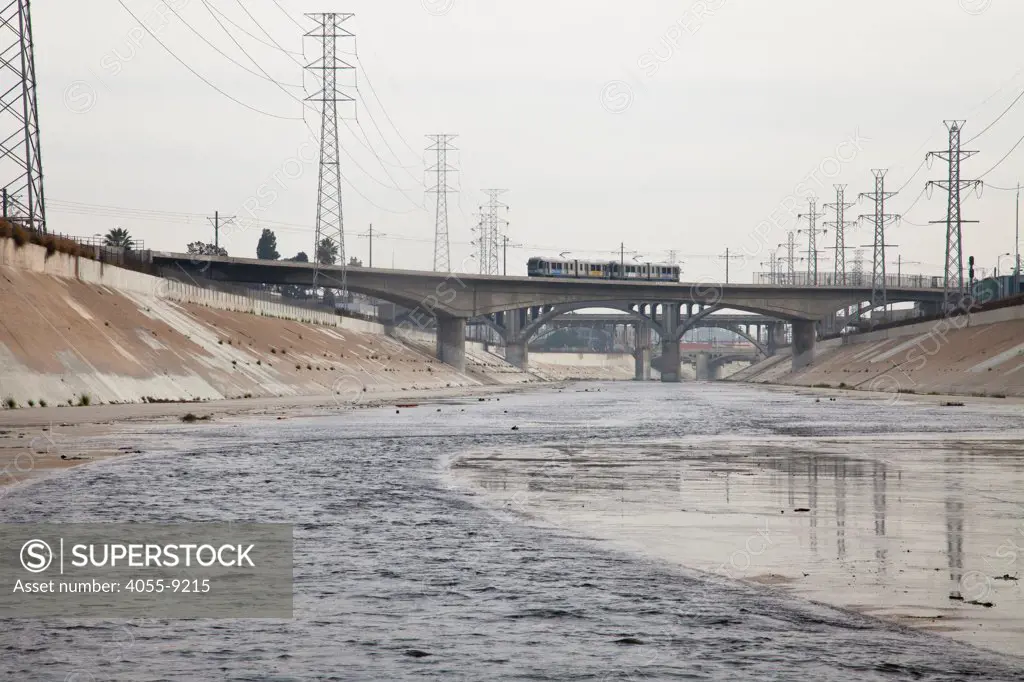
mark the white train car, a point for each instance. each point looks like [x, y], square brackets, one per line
[594, 269]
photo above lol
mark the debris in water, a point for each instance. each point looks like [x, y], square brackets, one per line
[1005, 576]
[628, 640]
[953, 403]
[416, 653]
[515, 428]
[801, 509]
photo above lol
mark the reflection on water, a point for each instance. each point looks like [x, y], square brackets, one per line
[869, 523]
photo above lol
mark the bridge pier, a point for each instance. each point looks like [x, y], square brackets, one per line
[451, 341]
[670, 356]
[518, 355]
[642, 352]
[707, 370]
[804, 338]
[642, 364]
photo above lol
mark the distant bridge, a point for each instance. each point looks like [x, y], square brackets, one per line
[518, 306]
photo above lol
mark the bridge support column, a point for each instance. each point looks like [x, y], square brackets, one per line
[642, 352]
[670, 344]
[804, 338]
[518, 355]
[704, 369]
[451, 341]
[642, 364]
[517, 350]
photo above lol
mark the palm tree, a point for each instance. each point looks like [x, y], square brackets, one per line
[118, 237]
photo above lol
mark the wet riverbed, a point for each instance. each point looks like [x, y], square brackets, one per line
[444, 545]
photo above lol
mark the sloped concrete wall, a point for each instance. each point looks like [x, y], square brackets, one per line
[72, 327]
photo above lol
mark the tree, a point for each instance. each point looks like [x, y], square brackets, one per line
[266, 249]
[300, 257]
[355, 262]
[118, 237]
[327, 252]
[204, 249]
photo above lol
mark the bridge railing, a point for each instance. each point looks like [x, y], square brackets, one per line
[829, 279]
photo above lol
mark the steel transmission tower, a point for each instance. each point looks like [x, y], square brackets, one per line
[839, 225]
[791, 258]
[20, 158]
[953, 282]
[330, 222]
[812, 240]
[442, 144]
[858, 268]
[494, 226]
[879, 219]
[482, 252]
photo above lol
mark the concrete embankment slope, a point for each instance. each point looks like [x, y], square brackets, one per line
[72, 327]
[977, 354]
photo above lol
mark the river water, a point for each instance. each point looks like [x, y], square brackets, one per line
[439, 543]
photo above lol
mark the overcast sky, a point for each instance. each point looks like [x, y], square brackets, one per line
[647, 123]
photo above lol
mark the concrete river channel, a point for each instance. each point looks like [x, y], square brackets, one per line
[621, 532]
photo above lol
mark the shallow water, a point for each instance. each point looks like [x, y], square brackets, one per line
[395, 559]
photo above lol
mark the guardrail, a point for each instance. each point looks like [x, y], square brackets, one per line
[804, 279]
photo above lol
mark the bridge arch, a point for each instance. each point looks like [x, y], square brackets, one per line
[556, 327]
[761, 348]
[533, 326]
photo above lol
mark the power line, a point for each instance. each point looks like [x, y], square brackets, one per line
[1005, 157]
[267, 33]
[221, 52]
[373, 92]
[259, 40]
[199, 75]
[286, 13]
[1000, 117]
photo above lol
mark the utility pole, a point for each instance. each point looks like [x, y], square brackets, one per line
[370, 233]
[218, 223]
[812, 244]
[21, 164]
[493, 227]
[953, 279]
[1017, 244]
[330, 222]
[727, 258]
[505, 244]
[879, 297]
[442, 144]
[839, 225]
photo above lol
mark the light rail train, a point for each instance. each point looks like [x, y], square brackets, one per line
[594, 269]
